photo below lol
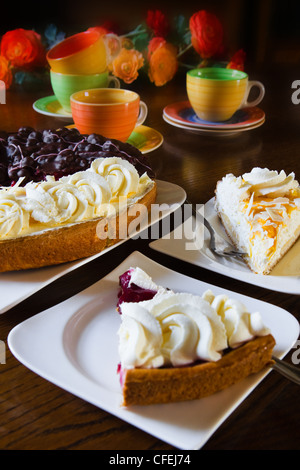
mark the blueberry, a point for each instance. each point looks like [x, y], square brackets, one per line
[96, 139]
[25, 131]
[27, 162]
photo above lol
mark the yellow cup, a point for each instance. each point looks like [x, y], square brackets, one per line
[216, 94]
[83, 53]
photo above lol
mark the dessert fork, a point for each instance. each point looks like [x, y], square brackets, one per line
[218, 244]
[287, 370]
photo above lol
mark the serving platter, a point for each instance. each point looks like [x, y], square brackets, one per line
[18, 285]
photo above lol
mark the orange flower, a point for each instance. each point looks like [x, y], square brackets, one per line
[127, 43]
[127, 64]
[237, 61]
[23, 48]
[163, 62]
[5, 72]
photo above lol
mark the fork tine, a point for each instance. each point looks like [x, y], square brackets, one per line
[229, 251]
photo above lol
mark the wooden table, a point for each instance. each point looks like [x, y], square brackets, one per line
[35, 414]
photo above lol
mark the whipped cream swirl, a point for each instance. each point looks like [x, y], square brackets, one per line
[12, 217]
[122, 177]
[240, 324]
[265, 182]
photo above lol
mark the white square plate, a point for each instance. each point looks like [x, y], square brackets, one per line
[19, 285]
[285, 277]
[75, 346]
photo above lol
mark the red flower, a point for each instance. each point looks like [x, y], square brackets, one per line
[158, 22]
[154, 43]
[107, 27]
[5, 72]
[23, 48]
[99, 29]
[207, 33]
[237, 61]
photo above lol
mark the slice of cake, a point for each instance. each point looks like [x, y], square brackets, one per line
[178, 346]
[260, 212]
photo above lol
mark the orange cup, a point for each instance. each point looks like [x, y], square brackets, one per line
[83, 53]
[111, 112]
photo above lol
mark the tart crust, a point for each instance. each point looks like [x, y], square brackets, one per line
[66, 243]
[166, 385]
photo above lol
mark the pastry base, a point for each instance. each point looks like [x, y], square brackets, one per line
[166, 385]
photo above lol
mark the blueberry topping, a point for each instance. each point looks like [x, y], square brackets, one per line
[34, 154]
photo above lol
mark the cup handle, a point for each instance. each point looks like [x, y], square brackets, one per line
[143, 114]
[113, 46]
[112, 80]
[251, 84]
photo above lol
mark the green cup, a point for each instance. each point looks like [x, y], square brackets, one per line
[64, 85]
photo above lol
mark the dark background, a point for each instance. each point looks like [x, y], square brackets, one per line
[268, 30]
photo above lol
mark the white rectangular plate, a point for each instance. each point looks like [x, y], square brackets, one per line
[19, 285]
[285, 277]
[75, 346]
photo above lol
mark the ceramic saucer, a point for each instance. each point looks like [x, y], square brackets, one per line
[182, 113]
[213, 132]
[144, 138]
[50, 106]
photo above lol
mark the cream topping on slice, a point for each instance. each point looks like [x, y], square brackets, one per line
[175, 329]
[263, 181]
[171, 329]
[240, 324]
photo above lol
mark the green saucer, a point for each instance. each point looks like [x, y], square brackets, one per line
[50, 106]
[145, 139]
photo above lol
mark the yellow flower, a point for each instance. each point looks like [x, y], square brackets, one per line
[5, 72]
[127, 64]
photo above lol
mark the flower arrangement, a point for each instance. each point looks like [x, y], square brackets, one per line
[156, 47]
